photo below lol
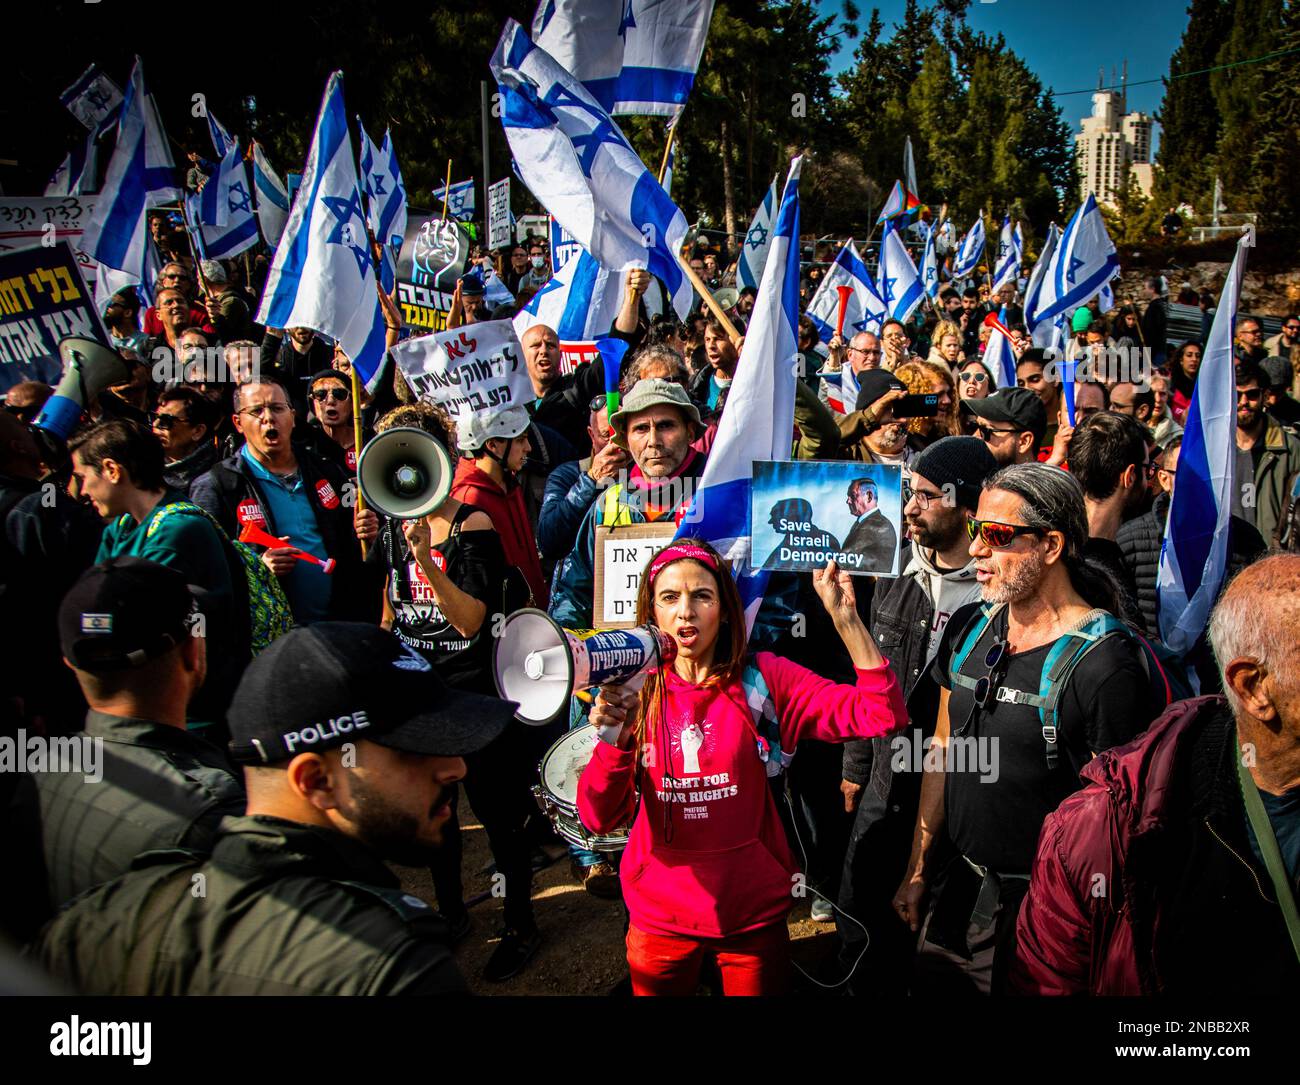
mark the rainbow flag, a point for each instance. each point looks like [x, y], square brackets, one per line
[900, 202]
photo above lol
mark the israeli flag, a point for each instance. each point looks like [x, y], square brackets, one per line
[322, 276]
[1034, 291]
[579, 302]
[584, 172]
[93, 98]
[140, 175]
[381, 180]
[1011, 250]
[633, 56]
[668, 170]
[1085, 261]
[759, 419]
[866, 312]
[461, 204]
[898, 282]
[970, 251]
[1194, 556]
[272, 198]
[930, 265]
[1000, 359]
[77, 175]
[224, 207]
[753, 254]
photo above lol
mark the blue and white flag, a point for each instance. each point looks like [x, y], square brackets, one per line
[930, 265]
[668, 169]
[579, 302]
[381, 181]
[79, 172]
[866, 312]
[140, 175]
[1034, 291]
[1085, 261]
[1011, 250]
[1194, 556]
[461, 202]
[759, 419]
[753, 254]
[93, 99]
[633, 56]
[1000, 359]
[970, 251]
[322, 276]
[582, 169]
[898, 282]
[272, 198]
[223, 209]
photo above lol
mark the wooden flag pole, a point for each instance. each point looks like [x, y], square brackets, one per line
[446, 190]
[668, 149]
[709, 300]
[356, 439]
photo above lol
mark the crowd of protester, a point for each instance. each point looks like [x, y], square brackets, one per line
[943, 869]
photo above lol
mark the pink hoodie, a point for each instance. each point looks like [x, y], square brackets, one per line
[723, 867]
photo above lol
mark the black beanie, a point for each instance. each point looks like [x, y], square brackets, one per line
[873, 384]
[961, 462]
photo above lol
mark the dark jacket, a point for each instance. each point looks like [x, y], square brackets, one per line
[1141, 538]
[566, 407]
[279, 359]
[181, 475]
[1145, 881]
[568, 495]
[357, 594]
[1154, 323]
[160, 787]
[286, 909]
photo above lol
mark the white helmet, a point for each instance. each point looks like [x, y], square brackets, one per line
[473, 431]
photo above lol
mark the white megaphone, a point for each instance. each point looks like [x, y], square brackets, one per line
[539, 665]
[88, 368]
[404, 473]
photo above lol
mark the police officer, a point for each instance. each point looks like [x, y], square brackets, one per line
[350, 744]
[134, 779]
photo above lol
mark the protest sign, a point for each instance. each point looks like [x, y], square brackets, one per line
[433, 257]
[805, 513]
[43, 299]
[499, 214]
[477, 369]
[621, 556]
[573, 354]
[24, 222]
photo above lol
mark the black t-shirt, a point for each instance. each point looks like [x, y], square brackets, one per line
[476, 563]
[995, 800]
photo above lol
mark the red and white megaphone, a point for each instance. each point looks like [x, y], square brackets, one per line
[261, 537]
[992, 321]
[845, 292]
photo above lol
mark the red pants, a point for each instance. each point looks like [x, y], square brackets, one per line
[754, 963]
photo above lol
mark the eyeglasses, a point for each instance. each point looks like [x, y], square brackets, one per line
[975, 376]
[987, 433]
[1292, 329]
[339, 395]
[276, 409]
[994, 659]
[921, 498]
[996, 535]
[1250, 395]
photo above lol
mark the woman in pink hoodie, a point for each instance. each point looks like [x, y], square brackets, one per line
[707, 871]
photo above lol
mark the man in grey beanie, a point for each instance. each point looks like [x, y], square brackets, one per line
[882, 778]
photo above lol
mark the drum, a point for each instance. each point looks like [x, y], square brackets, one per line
[557, 791]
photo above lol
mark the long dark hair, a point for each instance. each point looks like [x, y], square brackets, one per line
[1181, 381]
[1052, 500]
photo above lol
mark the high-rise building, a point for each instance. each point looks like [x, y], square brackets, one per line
[1113, 142]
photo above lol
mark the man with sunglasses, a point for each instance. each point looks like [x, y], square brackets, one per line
[1249, 346]
[1286, 344]
[997, 768]
[1012, 422]
[299, 497]
[908, 616]
[1268, 457]
[185, 423]
[330, 431]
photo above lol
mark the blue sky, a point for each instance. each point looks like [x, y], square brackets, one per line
[1065, 44]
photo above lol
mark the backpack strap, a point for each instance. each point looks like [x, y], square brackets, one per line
[988, 614]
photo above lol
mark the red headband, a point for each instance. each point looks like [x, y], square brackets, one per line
[681, 552]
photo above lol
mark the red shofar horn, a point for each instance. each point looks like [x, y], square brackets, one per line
[845, 292]
[993, 322]
[257, 536]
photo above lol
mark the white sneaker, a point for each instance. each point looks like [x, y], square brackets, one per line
[822, 912]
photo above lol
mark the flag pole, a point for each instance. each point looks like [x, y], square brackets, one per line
[668, 147]
[708, 298]
[446, 190]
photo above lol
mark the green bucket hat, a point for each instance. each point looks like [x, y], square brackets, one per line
[652, 392]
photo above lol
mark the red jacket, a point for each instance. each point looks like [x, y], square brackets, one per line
[1145, 882]
[707, 856]
[510, 518]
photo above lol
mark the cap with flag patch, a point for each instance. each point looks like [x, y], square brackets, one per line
[124, 612]
[322, 685]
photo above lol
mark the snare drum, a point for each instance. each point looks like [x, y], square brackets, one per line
[557, 792]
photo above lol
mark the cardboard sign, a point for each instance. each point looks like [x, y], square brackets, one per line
[24, 222]
[807, 512]
[476, 369]
[499, 214]
[622, 555]
[433, 256]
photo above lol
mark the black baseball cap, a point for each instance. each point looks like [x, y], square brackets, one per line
[873, 384]
[124, 612]
[322, 685]
[1019, 406]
